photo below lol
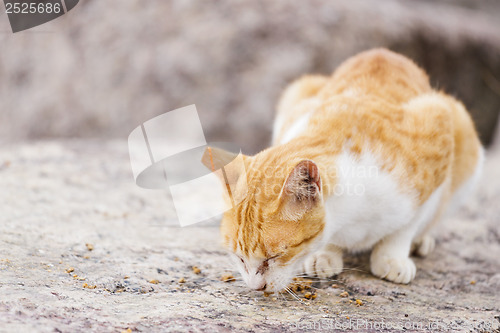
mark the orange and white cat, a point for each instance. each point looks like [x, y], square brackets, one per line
[366, 159]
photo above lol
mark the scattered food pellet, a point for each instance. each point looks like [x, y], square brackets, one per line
[262, 309]
[301, 284]
[196, 270]
[344, 294]
[274, 298]
[182, 280]
[335, 286]
[126, 277]
[69, 270]
[89, 246]
[228, 278]
[86, 257]
[266, 294]
[347, 317]
[128, 330]
[154, 281]
[86, 285]
[473, 282]
[359, 302]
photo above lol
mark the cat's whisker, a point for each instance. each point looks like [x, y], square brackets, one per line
[294, 295]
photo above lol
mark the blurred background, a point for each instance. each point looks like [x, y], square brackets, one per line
[107, 66]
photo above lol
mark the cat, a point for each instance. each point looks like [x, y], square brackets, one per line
[369, 158]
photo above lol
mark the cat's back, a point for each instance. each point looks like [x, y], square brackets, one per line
[381, 73]
[375, 74]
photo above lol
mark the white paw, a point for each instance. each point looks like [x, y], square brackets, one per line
[323, 264]
[398, 270]
[424, 246]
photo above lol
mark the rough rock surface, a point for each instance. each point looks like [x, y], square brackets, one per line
[110, 65]
[56, 197]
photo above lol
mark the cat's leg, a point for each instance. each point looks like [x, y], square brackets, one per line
[325, 262]
[423, 245]
[390, 257]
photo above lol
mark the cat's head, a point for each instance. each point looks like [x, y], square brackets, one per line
[278, 218]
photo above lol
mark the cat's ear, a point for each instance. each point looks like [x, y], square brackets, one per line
[234, 165]
[302, 190]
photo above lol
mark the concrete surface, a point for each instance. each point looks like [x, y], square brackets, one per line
[56, 197]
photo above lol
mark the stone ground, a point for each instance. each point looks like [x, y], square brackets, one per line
[57, 197]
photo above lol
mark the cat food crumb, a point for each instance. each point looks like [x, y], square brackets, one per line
[128, 330]
[89, 246]
[473, 282]
[86, 285]
[154, 281]
[274, 298]
[266, 294]
[86, 257]
[310, 295]
[359, 302]
[344, 294]
[228, 278]
[196, 270]
[301, 284]
[262, 309]
[335, 286]
[182, 280]
[69, 270]
[126, 277]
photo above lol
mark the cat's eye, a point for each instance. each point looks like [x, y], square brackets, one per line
[271, 258]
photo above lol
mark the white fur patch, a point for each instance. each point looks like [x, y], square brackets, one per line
[366, 203]
[278, 125]
[297, 128]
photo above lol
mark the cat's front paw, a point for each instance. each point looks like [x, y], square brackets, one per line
[323, 264]
[398, 270]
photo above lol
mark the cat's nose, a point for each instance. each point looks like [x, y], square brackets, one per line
[262, 288]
